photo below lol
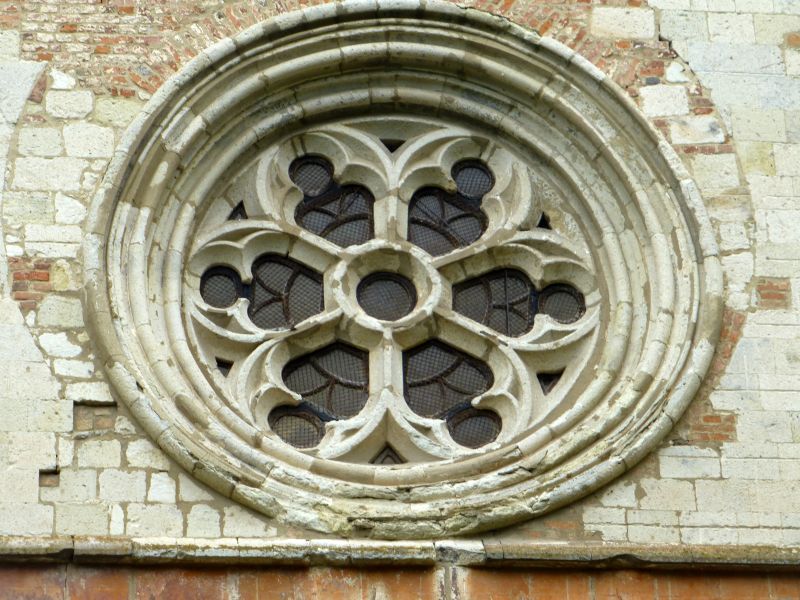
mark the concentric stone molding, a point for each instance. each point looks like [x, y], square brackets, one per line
[647, 235]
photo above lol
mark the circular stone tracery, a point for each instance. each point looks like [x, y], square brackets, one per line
[537, 403]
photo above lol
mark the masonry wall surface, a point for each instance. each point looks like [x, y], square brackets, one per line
[719, 78]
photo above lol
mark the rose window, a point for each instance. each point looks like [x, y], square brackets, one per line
[399, 270]
[365, 302]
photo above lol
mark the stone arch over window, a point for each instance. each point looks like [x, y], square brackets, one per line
[411, 288]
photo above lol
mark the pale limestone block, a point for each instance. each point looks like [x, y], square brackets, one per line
[620, 493]
[20, 208]
[52, 249]
[749, 468]
[771, 29]
[143, 454]
[714, 5]
[758, 519]
[776, 496]
[731, 28]
[756, 537]
[68, 211]
[124, 426]
[68, 104]
[759, 125]
[53, 233]
[734, 236]
[20, 484]
[764, 426]
[757, 157]
[743, 90]
[122, 486]
[611, 533]
[162, 488]
[99, 453]
[709, 536]
[40, 141]
[653, 534]
[86, 140]
[58, 344]
[793, 132]
[90, 392]
[696, 129]
[61, 80]
[652, 517]
[755, 450]
[676, 73]
[738, 270]
[783, 400]
[787, 159]
[240, 522]
[60, 311]
[680, 25]
[80, 369]
[117, 524]
[191, 491]
[667, 494]
[117, 112]
[82, 519]
[73, 486]
[781, 229]
[154, 520]
[65, 449]
[600, 514]
[9, 45]
[670, 4]
[789, 7]
[701, 518]
[755, 6]
[51, 415]
[792, 58]
[664, 100]
[14, 416]
[17, 518]
[724, 495]
[618, 23]
[735, 400]
[28, 450]
[65, 276]
[62, 174]
[715, 171]
[735, 58]
[202, 522]
[678, 467]
[16, 80]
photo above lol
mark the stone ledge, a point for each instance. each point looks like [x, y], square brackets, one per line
[315, 552]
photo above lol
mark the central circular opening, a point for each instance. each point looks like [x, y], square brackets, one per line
[386, 296]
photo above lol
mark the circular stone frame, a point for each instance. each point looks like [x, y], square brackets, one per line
[650, 235]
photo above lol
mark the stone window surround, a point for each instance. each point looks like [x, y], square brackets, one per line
[666, 201]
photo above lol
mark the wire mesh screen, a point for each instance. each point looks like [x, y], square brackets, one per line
[439, 222]
[297, 426]
[340, 214]
[563, 303]
[220, 287]
[283, 293]
[474, 428]
[503, 300]
[386, 296]
[473, 178]
[334, 380]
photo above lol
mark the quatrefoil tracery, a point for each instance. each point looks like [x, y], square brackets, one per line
[424, 388]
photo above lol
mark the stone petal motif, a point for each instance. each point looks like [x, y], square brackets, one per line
[563, 290]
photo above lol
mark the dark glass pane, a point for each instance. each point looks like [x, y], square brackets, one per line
[312, 174]
[340, 214]
[238, 213]
[440, 222]
[386, 296]
[503, 299]
[548, 380]
[439, 378]
[297, 426]
[562, 302]
[472, 178]
[224, 366]
[284, 292]
[220, 287]
[474, 428]
[335, 380]
[387, 456]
